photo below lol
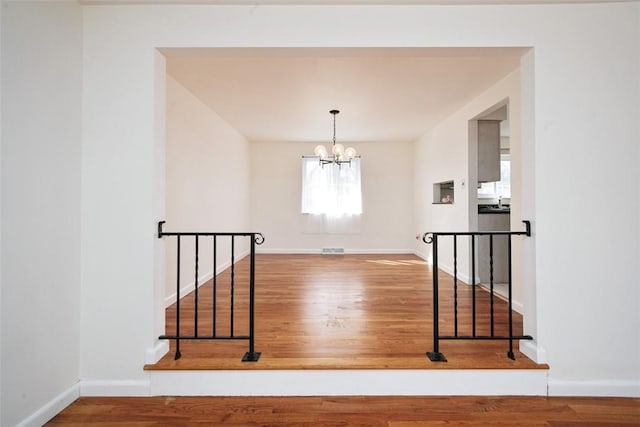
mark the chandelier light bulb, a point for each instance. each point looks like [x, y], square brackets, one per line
[321, 151]
[338, 149]
[350, 153]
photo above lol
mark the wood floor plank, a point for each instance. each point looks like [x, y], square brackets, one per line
[341, 312]
[397, 411]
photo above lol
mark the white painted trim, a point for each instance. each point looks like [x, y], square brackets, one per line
[422, 255]
[410, 382]
[449, 270]
[114, 388]
[287, 251]
[533, 351]
[596, 388]
[52, 408]
[189, 287]
[379, 251]
[444, 267]
[518, 307]
[155, 353]
[318, 251]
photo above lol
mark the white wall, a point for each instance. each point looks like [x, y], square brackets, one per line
[119, 207]
[586, 256]
[586, 115]
[444, 153]
[207, 184]
[387, 199]
[41, 106]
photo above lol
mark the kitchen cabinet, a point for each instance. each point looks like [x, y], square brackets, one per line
[496, 221]
[488, 150]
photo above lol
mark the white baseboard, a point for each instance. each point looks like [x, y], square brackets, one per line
[156, 352]
[379, 251]
[125, 388]
[401, 382]
[533, 351]
[346, 251]
[189, 287]
[287, 251]
[465, 278]
[422, 255]
[444, 267]
[52, 408]
[517, 306]
[595, 388]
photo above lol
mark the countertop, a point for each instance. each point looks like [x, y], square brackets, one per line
[494, 209]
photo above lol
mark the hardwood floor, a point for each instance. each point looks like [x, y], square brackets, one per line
[340, 312]
[342, 411]
[345, 312]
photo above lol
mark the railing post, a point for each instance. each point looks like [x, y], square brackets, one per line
[435, 355]
[473, 285]
[178, 355]
[232, 291]
[214, 287]
[195, 318]
[491, 283]
[510, 354]
[252, 355]
[455, 286]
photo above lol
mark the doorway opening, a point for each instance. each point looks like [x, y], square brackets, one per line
[239, 195]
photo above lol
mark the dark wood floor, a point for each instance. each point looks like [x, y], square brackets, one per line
[342, 411]
[351, 312]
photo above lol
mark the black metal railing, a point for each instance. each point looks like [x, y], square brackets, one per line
[255, 239]
[432, 238]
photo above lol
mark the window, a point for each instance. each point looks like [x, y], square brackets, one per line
[502, 188]
[331, 190]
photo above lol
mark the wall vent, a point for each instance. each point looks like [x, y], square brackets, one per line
[332, 251]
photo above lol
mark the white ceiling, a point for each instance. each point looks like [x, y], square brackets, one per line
[383, 94]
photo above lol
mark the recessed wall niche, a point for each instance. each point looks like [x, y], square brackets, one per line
[443, 193]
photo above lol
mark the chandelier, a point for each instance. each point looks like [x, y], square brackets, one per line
[339, 155]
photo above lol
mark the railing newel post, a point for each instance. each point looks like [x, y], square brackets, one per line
[455, 286]
[473, 285]
[233, 269]
[435, 355]
[252, 355]
[178, 355]
[510, 354]
[491, 283]
[215, 285]
[195, 319]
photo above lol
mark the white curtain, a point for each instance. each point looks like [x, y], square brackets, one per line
[331, 189]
